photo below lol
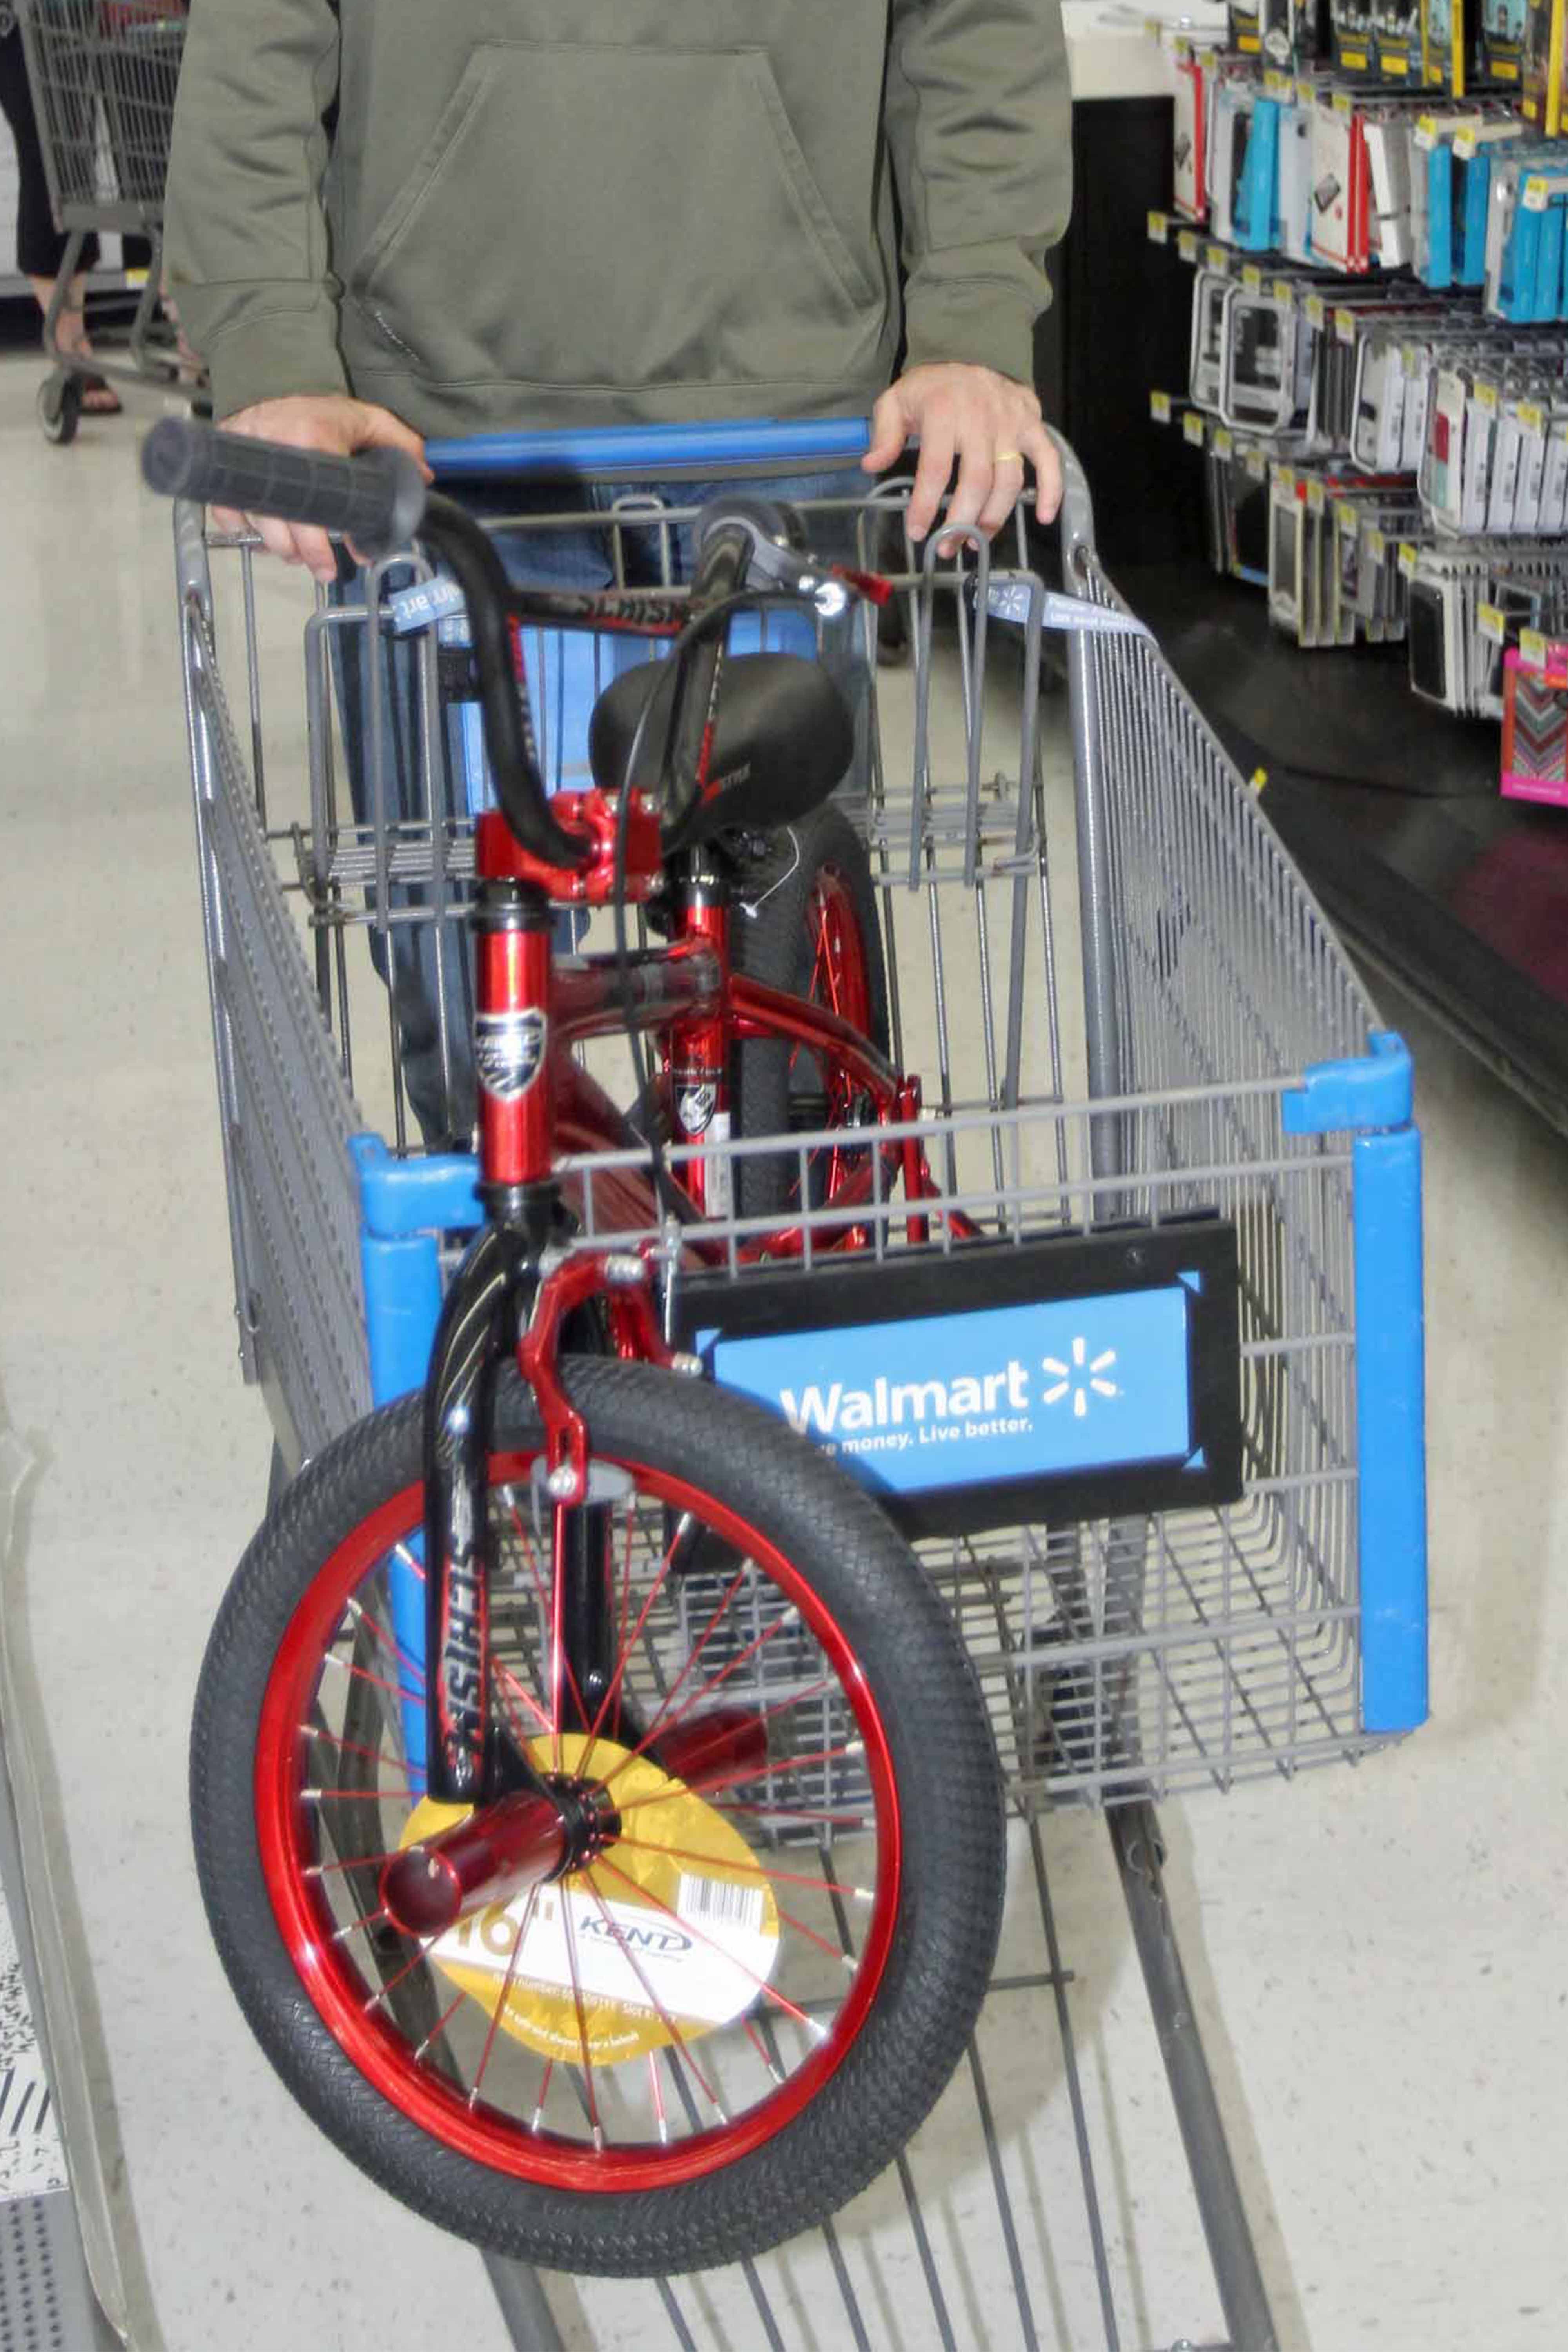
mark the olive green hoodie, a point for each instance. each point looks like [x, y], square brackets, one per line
[497, 212]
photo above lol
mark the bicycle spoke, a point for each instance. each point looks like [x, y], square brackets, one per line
[743, 1776]
[506, 1988]
[665, 2019]
[714, 1683]
[598, 2129]
[389, 1642]
[750, 1869]
[689, 1928]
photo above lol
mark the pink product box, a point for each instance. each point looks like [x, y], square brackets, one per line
[1535, 729]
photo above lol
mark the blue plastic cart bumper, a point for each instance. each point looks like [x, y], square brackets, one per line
[1372, 1097]
[647, 452]
[405, 1205]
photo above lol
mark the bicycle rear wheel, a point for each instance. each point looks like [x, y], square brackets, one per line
[725, 2022]
[809, 927]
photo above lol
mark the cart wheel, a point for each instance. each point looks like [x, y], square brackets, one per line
[59, 407]
[815, 934]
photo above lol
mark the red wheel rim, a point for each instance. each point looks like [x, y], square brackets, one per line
[349, 1998]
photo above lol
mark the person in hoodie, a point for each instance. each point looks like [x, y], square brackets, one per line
[392, 220]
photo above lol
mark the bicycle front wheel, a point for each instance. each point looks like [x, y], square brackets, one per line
[732, 2015]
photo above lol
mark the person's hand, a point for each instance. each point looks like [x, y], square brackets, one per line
[987, 422]
[330, 422]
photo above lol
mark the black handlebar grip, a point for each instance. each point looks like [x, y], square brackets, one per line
[376, 500]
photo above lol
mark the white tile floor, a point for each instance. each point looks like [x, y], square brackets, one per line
[1375, 1955]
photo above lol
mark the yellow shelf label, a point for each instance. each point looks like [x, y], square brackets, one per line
[1396, 61]
[1221, 442]
[1345, 326]
[1533, 648]
[1464, 145]
[1256, 463]
[1506, 68]
[1376, 546]
[1407, 555]
[1531, 416]
[1284, 291]
[1347, 515]
[1216, 257]
[1193, 426]
[1187, 245]
[1160, 407]
[1317, 499]
[1279, 84]
[1252, 278]
[1284, 476]
[1535, 194]
[1159, 227]
[1316, 313]
[1491, 622]
[1485, 398]
[136, 278]
[1341, 101]
[1248, 43]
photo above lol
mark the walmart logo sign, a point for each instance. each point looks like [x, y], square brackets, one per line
[1044, 1389]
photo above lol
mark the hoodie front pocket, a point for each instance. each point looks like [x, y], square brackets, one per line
[617, 215]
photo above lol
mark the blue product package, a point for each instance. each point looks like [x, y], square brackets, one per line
[1440, 169]
[1255, 199]
[1516, 285]
[1470, 266]
[1548, 262]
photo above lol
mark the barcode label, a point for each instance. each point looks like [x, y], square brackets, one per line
[719, 1902]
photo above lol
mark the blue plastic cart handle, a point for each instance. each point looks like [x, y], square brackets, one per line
[644, 452]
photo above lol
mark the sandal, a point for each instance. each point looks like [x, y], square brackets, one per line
[99, 397]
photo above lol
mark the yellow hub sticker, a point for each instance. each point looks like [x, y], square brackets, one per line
[672, 1931]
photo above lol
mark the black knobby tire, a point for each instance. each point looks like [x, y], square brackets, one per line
[940, 1757]
[773, 1089]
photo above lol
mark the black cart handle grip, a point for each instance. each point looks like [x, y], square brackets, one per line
[376, 500]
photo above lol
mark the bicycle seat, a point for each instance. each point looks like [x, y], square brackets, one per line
[782, 739]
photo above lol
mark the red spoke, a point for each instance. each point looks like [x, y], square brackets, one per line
[389, 1642]
[363, 1675]
[359, 1796]
[354, 1861]
[746, 1774]
[798, 1813]
[552, 1603]
[689, 1928]
[420, 1957]
[630, 1645]
[722, 1863]
[504, 1674]
[352, 1747]
[709, 1687]
[621, 1650]
[439, 2027]
[665, 2019]
[581, 2020]
[416, 1568]
[511, 1958]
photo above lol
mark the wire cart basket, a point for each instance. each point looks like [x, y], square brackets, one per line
[104, 74]
[1128, 1015]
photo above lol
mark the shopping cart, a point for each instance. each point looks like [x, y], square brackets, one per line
[1134, 1027]
[103, 76]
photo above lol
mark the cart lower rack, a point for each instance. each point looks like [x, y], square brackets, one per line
[1130, 1016]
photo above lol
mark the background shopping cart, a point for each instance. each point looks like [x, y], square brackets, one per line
[1156, 1025]
[104, 74]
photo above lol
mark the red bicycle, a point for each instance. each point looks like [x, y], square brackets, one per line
[631, 1916]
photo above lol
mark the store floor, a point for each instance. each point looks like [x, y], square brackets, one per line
[1376, 1954]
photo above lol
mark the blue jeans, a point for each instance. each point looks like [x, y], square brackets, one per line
[430, 971]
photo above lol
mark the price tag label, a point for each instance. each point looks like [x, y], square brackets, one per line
[1396, 62]
[1216, 257]
[1222, 442]
[1249, 45]
[1536, 192]
[1284, 291]
[1533, 648]
[1464, 145]
[1317, 499]
[1193, 426]
[1306, 90]
[1485, 398]
[1285, 476]
[1407, 555]
[1160, 407]
[1506, 68]
[1181, 50]
[1341, 101]
[1531, 416]
[1345, 326]
[1376, 546]
[135, 279]
[1279, 84]
[1409, 358]
[1252, 278]
[1256, 463]
[1316, 313]
[1346, 515]
[1187, 245]
[1491, 622]
[1159, 227]
[1426, 134]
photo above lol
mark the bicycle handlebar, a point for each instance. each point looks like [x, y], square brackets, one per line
[376, 500]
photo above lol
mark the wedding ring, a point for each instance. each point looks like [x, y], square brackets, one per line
[1008, 457]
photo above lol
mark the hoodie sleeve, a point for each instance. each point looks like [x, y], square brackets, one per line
[978, 112]
[245, 234]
